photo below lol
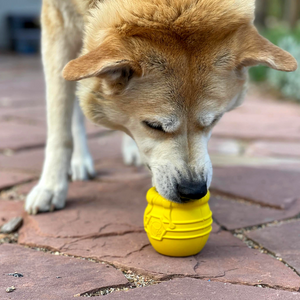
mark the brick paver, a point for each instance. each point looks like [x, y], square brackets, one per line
[103, 219]
[238, 214]
[25, 161]
[283, 240]
[17, 136]
[193, 289]
[279, 149]
[33, 115]
[10, 209]
[11, 178]
[102, 149]
[36, 115]
[274, 188]
[261, 119]
[47, 276]
[107, 225]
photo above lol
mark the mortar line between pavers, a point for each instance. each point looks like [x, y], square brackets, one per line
[6, 151]
[228, 196]
[259, 247]
[23, 149]
[207, 278]
[13, 186]
[23, 171]
[255, 139]
[264, 250]
[264, 225]
[203, 278]
[92, 235]
[181, 277]
[106, 290]
[17, 150]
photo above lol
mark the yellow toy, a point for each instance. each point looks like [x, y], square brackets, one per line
[177, 229]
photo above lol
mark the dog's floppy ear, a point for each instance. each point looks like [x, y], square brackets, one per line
[116, 68]
[259, 51]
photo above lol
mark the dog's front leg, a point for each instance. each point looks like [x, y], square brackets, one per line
[131, 153]
[60, 43]
[82, 166]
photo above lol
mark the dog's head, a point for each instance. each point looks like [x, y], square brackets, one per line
[166, 74]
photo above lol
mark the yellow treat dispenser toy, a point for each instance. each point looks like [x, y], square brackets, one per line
[176, 229]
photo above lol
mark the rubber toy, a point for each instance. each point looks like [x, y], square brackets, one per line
[177, 229]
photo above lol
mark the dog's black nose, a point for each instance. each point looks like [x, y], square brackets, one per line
[192, 191]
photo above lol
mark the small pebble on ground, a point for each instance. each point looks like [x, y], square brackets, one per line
[12, 225]
[10, 289]
[16, 274]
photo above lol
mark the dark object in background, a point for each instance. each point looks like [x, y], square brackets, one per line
[262, 7]
[24, 33]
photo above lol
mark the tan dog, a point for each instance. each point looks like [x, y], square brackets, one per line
[162, 71]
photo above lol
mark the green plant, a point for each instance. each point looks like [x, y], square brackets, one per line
[287, 83]
[275, 35]
[258, 74]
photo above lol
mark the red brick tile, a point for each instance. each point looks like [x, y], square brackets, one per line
[261, 119]
[29, 161]
[47, 276]
[10, 209]
[17, 136]
[10, 178]
[105, 221]
[277, 149]
[234, 214]
[195, 289]
[283, 240]
[275, 188]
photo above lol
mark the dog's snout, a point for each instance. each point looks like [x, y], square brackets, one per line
[192, 191]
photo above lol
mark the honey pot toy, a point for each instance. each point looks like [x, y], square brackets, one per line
[176, 229]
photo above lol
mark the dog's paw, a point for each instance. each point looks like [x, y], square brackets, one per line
[42, 199]
[82, 167]
[131, 153]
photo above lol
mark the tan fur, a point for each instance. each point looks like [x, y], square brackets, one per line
[207, 42]
[180, 64]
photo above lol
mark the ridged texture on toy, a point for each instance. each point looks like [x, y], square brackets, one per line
[177, 229]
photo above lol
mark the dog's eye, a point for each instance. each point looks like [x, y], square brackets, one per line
[216, 120]
[154, 125]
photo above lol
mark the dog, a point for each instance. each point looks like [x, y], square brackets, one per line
[163, 72]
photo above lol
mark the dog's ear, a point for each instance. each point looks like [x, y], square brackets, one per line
[115, 68]
[259, 51]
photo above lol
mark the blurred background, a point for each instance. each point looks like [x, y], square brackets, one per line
[20, 26]
[278, 20]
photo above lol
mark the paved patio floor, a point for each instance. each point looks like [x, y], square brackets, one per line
[97, 244]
